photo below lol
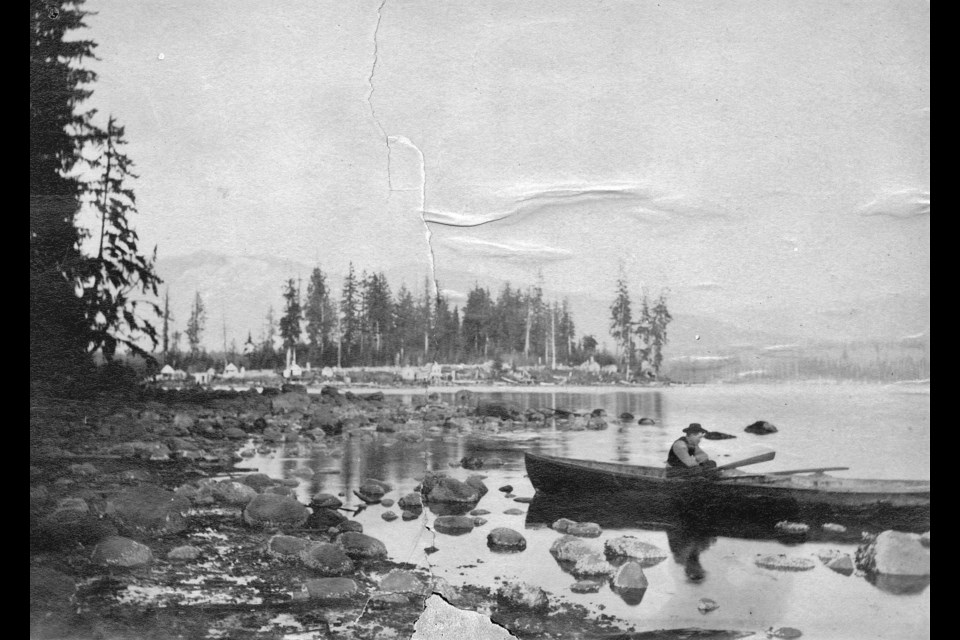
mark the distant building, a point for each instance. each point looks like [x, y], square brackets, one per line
[230, 371]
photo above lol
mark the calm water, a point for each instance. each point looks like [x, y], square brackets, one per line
[877, 431]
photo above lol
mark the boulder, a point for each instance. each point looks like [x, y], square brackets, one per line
[706, 605]
[400, 581]
[629, 582]
[283, 546]
[520, 595]
[387, 502]
[323, 518]
[389, 516]
[894, 553]
[233, 493]
[506, 488]
[717, 435]
[792, 528]
[562, 525]
[361, 546]
[592, 564]
[407, 515]
[842, 564]
[833, 528]
[293, 401]
[504, 539]
[271, 510]
[441, 489]
[570, 548]
[646, 421]
[501, 410]
[784, 632]
[325, 501]
[442, 621]
[477, 483]
[234, 433]
[185, 553]
[85, 469]
[149, 510]
[760, 428]
[259, 481]
[369, 492]
[586, 586]
[326, 559]
[471, 462]
[626, 416]
[584, 529]
[783, 562]
[116, 551]
[453, 525]
[632, 547]
[596, 424]
[347, 525]
[514, 512]
[331, 588]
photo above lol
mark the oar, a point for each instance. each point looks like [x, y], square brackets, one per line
[815, 470]
[763, 457]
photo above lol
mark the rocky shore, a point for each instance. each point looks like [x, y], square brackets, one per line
[140, 526]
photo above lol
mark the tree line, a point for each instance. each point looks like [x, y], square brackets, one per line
[368, 324]
[640, 339]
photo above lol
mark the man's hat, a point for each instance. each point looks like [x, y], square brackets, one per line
[695, 428]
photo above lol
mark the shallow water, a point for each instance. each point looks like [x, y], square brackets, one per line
[877, 431]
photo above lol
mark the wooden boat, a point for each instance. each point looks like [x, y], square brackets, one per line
[736, 494]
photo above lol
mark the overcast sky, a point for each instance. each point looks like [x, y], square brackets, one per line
[768, 157]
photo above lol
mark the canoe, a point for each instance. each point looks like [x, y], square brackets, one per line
[765, 496]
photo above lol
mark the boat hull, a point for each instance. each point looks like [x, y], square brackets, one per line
[645, 493]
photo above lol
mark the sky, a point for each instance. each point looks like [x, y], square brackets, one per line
[763, 163]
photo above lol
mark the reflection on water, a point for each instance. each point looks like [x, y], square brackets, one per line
[818, 427]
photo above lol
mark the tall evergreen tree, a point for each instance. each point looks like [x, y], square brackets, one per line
[290, 322]
[405, 327]
[319, 314]
[621, 320]
[196, 324]
[167, 320]
[349, 316]
[477, 321]
[660, 318]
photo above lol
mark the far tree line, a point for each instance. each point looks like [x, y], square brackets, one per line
[368, 324]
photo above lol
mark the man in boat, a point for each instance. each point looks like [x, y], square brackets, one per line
[686, 458]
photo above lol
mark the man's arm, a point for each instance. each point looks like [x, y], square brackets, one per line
[700, 456]
[680, 449]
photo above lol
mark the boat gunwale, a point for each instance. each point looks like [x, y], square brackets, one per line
[785, 483]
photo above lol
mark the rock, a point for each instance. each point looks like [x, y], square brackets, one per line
[493, 462]
[303, 472]
[826, 555]
[287, 402]
[325, 501]
[894, 553]
[441, 489]
[85, 469]
[629, 582]
[442, 621]
[646, 421]
[506, 488]
[387, 502]
[523, 500]
[585, 529]
[150, 510]
[592, 564]
[793, 528]
[400, 581]
[283, 546]
[471, 462]
[327, 559]
[925, 539]
[520, 595]
[453, 525]
[833, 528]
[385, 487]
[116, 551]
[234, 433]
[185, 553]
[347, 525]
[479, 512]
[626, 416]
[632, 547]
[331, 588]
[233, 493]
[717, 435]
[368, 499]
[323, 518]
[389, 516]
[51, 589]
[271, 510]
[411, 501]
[514, 512]
[479, 522]
[783, 562]
[842, 564]
[477, 483]
[184, 421]
[586, 586]
[407, 515]
[500, 410]
[562, 525]
[259, 481]
[706, 605]
[570, 548]
[596, 424]
[598, 413]
[383, 600]
[784, 632]
[361, 546]
[281, 491]
[504, 539]
[761, 427]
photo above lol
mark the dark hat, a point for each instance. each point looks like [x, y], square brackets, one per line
[695, 428]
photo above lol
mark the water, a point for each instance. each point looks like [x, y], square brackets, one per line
[877, 431]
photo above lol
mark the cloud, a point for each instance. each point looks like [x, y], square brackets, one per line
[507, 249]
[639, 202]
[906, 203]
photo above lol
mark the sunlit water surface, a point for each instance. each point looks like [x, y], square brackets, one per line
[876, 431]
